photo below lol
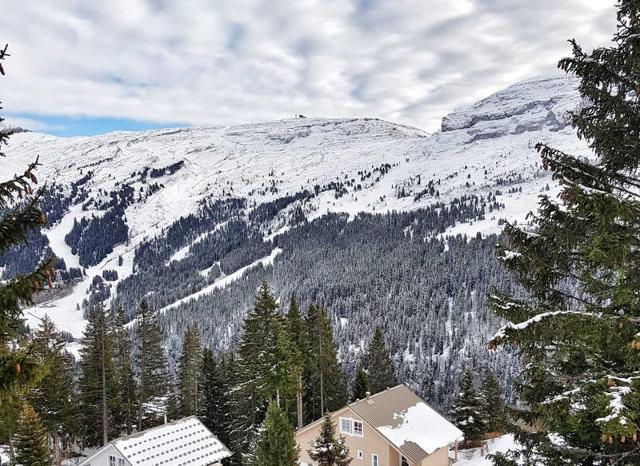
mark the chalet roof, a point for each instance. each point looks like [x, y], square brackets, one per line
[413, 427]
[179, 443]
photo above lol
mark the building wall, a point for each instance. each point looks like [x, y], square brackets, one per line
[101, 458]
[370, 442]
[440, 457]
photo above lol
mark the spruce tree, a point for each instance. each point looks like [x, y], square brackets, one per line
[125, 400]
[277, 445]
[300, 353]
[360, 384]
[19, 205]
[216, 383]
[378, 365]
[152, 369]
[495, 412]
[579, 262]
[254, 375]
[31, 441]
[54, 397]
[189, 373]
[326, 449]
[467, 410]
[325, 382]
[96, 379]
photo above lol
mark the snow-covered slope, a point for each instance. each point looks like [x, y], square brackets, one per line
[354, 165]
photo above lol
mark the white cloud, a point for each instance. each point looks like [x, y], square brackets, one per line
[209, 62]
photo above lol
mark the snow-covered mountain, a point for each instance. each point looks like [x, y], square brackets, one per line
[142, 183]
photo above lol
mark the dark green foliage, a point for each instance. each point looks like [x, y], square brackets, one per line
[277, 445]
[578, 325]
[54, 397]
[325, 387]
[216, 383]
[152, 369]
[326, 449]
[189, 373]
[493, 403]
[378, 364]
[31, 441]
[17, 220]
[125, 400]
[97, 379]
[263, 371]
[360, 384]
[467, 412]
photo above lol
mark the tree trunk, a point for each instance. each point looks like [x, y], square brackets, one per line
[321, 378]
[299, 402]
[105, 422]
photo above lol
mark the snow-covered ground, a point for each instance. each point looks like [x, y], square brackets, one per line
[474, 456]
[482, 149]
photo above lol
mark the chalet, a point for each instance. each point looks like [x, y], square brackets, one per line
[179, 443]
[391, 428]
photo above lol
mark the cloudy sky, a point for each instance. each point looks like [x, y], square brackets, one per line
[87, 67]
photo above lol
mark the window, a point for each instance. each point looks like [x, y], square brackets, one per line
[346, 425]
[112, 460]
[374, 460]
[360, 454]
[403, 461]
[357, 428]
[120, 462]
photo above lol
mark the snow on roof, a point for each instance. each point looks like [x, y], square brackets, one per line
[178, 443]
[420, 426]
[412, 426]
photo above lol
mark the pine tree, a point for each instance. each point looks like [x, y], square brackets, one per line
[360, 384]
[124, 403]
[378, 365]
[254, 377]
[578, 328]
[214, 410]
[326, 449]
[17, 366]
[96, 378]
[54, 397]
[494, 409]
[152, 369]
[189, 372]
[277, 445]
[300, 353]
[467, 410]
[31, 440]
[325, 383]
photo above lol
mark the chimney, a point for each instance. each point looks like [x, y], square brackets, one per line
[369, 400]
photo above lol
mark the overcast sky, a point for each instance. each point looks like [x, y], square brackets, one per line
[90, 66]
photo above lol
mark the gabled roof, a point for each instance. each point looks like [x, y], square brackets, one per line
[409, 424]
[177, 443]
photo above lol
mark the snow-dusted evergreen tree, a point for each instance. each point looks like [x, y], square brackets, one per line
[54, 397]
[495, 411]
[255, 376]
[189, 366]
[96, 379]
[297, 333]
[326, 449]
[31, 441]
[152, 369]
[277, 445]
[325, 382]
[360, 384]
[16, 220]
[467, 412]
[125, 398]
[378, 364]
[216, 381]
[578, 329]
